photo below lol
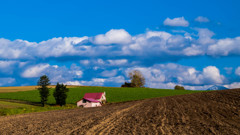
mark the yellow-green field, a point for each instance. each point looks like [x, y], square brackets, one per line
[23, 88]
[6, 104]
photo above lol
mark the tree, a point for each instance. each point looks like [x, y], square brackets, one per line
[137, 79]
[60, 94]
[43, 89]
[126, 84]
[177, 87]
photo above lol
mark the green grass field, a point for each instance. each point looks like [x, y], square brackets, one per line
[10, 105]
[11, 108]
[112, 94]
[75, 94]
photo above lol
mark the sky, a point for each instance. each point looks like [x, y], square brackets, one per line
[195, 44]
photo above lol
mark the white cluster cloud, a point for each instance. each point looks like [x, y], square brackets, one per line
[180, 21]
[205, 36]
[233, 85]
[76, 83]
[56, 73]
[35, 71]
[159, 44]
[114, 36]
[103, 59]
[166, 75]
[212, 75]
[202, 19]
[225, 47]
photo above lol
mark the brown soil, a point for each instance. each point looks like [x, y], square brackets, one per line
[216, 112]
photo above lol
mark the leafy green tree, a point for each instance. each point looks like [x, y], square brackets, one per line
[43, 89]
[137, 79]
[177, 87]
[60, 94]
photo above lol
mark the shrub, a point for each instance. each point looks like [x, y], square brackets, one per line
[177, 87]
[126, 84]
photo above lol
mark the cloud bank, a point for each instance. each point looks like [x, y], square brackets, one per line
[106, 59]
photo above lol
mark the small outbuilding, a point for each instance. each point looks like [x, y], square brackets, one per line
[92, 100]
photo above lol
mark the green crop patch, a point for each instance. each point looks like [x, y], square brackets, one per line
[4, 104]
[10, 108]
[75, 94]
[112, 94]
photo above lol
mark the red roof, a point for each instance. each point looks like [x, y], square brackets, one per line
[93, 95]
[91, 100]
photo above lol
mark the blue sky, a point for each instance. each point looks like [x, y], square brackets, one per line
[194, 44]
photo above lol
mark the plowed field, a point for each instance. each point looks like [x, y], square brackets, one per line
[216, 112]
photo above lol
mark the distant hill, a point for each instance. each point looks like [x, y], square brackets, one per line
[217, 87]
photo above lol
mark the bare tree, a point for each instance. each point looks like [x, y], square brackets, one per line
[137, 78]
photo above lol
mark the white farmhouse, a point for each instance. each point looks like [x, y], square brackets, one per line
[92, 100]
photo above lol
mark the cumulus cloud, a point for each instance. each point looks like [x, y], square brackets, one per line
[114, 36]
[117, 62]
[233, 85]
[152, 44]
[212, 75]
[225, 47]
[205, 36]
[173, 74]
[201, 19]
[76, 83]
[105, 59]
[35, 71]
[193, 50]
[56, 73]
[180, 21]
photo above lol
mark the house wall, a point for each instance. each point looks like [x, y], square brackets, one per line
[88, 104]
[95, 104]
[103, 98]
[79, 103]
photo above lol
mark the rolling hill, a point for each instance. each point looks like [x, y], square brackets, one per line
[214, 112]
